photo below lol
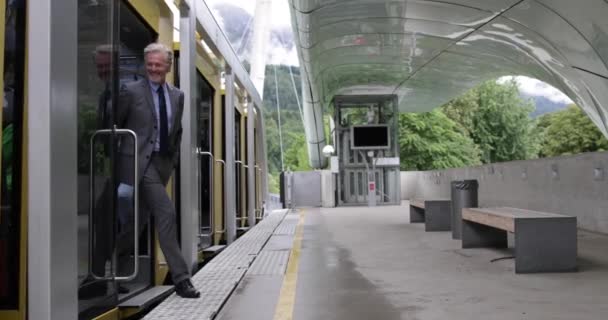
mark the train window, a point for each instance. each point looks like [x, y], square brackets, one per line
[10, 151]
[237, 157]
[98, 81]
[204, 104]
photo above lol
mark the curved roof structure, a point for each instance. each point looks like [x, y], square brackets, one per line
[430, 51]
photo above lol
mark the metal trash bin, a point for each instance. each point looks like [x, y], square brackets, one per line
[464, 195]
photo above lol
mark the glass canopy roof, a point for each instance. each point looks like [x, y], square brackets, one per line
[428, 52]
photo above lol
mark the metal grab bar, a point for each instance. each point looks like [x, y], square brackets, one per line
[247, 167]
[204, 153]
[200, 153]
[225, 227]
[114, 130]
[241, 163]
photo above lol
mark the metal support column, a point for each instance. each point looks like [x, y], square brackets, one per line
[52, 159]
[188, 158]
[263, 157]
[229, 181]
[251, 164]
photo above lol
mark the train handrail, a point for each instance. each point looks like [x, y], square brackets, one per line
[199, 153]
[225, 227]
[114, 130]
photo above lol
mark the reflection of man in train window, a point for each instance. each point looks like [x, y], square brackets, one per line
[102, 217]
[103, 64]
[153, 110]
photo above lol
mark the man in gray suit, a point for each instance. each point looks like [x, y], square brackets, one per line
[153, 109]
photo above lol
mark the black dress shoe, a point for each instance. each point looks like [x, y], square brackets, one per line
[123, 289]
[91, 289]
[185, 289]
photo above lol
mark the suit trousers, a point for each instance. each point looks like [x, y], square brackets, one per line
[155, 200]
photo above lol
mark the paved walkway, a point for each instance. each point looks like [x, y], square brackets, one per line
[371, 263]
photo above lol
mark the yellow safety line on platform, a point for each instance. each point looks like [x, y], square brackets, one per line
[287, 297]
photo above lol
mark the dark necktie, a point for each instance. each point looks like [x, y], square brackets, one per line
[164, 130]
[103, 114]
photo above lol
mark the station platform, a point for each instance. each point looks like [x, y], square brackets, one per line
[371, 263]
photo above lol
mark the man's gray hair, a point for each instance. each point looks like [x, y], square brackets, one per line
[159, 47]
[103, 49]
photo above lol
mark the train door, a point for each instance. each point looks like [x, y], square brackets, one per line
[204, 142]
[237, 167]
[114, 255]
[12, 217]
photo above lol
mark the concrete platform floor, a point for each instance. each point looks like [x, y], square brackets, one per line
[371, 263]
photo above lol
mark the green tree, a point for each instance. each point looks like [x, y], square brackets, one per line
[570, 131]
[292, 127]
[272, 143]
[296, 157]
[432, 141]
[497, 120]
[273, 183]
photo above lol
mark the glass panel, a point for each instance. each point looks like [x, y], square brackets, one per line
[237, 167]
[378, 186]
[105, 201]
[360, 183]
[96, 62]
[245, 175]
[135, 35]
[352, 191]
[204, 99]
[10, 169]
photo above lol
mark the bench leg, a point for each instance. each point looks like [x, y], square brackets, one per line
[475, 235]
[438, 216]
[543, 245]
[416, 214]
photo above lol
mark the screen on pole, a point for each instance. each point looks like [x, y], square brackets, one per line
[369, 137]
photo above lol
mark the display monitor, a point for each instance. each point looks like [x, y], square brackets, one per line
[370, 137]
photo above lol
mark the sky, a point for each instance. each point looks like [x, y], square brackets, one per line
[281, 18]
[280, 9]
[536, 87]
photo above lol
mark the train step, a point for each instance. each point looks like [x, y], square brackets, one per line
[144, 300]
[241, 231]
[213, 251]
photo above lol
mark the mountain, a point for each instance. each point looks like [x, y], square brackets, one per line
[543, 105]
[238, 27]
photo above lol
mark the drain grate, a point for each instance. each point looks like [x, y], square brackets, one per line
[270, 263]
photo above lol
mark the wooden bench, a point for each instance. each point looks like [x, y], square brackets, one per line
[544, 242]
[436, 214]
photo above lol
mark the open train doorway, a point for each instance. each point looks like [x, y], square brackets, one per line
[115, 258]
[204, 142]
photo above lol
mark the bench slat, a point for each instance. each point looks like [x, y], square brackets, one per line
[417, 203]
[499, 221]
[504, 217]
[518, 213]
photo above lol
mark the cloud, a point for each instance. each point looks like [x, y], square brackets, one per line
[278, 54]
[536, 87]
[280, 9]
[280, 48]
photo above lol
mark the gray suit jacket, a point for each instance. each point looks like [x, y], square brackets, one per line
[136, 112]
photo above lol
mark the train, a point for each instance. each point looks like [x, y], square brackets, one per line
[62, 61]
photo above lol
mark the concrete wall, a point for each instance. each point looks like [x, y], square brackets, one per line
[573, 185]
[409, 184]
[328, 188]
[306, 189]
